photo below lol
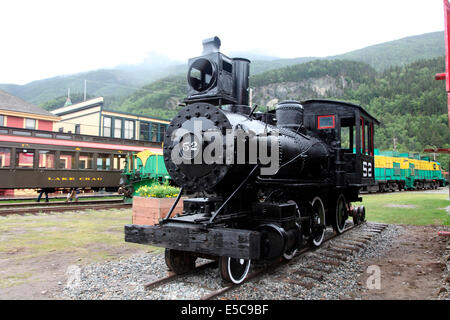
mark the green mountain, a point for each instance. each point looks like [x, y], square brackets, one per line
[113, 84]
[410, 104]
[380, 56]
[118, 83]
[399, 52]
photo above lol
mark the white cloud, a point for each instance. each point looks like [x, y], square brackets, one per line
[46, 38]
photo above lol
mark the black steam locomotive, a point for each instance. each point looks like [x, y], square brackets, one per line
[259, 185]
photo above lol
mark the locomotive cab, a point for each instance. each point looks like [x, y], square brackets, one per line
[349, 130]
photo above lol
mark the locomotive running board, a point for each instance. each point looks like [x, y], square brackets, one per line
[234, 243]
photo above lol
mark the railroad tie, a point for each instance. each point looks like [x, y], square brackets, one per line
[308, 274]
[319, 268]
[374, 230]
[350, 248]
[341, 250]
[333, 256]
[380, 225]
[352, 243]
[306, 285]
[330, 262]
[363, 241]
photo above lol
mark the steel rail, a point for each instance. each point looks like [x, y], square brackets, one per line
[61, 208]
[271, 267]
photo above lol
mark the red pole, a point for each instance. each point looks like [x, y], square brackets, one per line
[446, 76]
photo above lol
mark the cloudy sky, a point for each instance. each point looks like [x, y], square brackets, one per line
[41, 39]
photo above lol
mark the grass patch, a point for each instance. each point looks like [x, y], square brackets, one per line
[15, 279]
[89, 234]
[408, 208]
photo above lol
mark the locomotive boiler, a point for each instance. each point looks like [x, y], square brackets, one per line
[259, 184]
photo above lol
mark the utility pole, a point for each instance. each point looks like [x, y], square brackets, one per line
[395, 144]
[84, 90]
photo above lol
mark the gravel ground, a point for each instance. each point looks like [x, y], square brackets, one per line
[125, 279]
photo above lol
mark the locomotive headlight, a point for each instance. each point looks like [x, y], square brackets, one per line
[202, 75]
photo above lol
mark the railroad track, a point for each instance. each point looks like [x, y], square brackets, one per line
[33, 208]
[334, 251]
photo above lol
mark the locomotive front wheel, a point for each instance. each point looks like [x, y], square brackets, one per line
[318, 226]
[340, 215]
[180, 262]
[233, 270]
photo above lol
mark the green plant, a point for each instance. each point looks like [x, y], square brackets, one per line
[158, 191]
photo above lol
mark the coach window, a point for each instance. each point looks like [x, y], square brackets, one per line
[67, 160]
[5, 157]
[46, 159]
[30, 124]
[2, 120]
[103, 162]
[119, 162]
[107, 126]
[24, 158]
[86, 160]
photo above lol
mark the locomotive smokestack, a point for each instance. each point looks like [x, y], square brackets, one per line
[241, 71]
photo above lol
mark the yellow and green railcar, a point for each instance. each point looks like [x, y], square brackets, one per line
[403, 171]
[142, 169]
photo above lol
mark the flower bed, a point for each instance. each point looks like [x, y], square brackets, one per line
[153, 204]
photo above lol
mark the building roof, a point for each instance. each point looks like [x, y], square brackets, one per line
[12, 103]
[96, 102]
[68, 109]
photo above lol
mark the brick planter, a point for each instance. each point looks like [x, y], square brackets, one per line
[148, 211]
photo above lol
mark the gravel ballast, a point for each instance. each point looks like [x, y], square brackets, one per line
[125, 279]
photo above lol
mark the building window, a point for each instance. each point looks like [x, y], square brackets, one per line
[150, 131]
[129, 129]
[117, 128]
[144, 131]
[30, 124]
[107, 126]
[154, 133]
[77, 129]
[162, 132]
